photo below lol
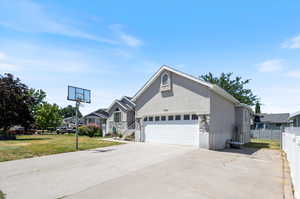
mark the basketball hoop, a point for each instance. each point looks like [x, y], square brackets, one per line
[79, 95]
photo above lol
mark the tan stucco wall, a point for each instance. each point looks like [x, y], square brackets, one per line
[185, 96]
[222, 121]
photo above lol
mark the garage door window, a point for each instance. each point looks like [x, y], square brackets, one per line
[170, 117]
[194, 117]
[150, 119]
[178, 117]
[163, 118]
[157, 118]
[145, 119]
[186, 117]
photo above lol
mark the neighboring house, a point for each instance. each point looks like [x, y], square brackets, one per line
[98, 117]
[295, 118]
[176, 108]
[70, 122]
[272, 121]
[121, 116]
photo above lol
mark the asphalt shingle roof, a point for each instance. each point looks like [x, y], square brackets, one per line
[275, 118]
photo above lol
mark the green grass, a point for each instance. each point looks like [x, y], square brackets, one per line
[263, 144]
[2, 195]
[28, 146]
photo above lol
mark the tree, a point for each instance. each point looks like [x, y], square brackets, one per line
[39, 95]
[234, 86]
[48, 116]
[257, 108]
[15, 103]
[69, 111]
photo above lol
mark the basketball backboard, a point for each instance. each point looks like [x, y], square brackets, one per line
[79, 94]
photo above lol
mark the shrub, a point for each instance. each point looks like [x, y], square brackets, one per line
[90, 130]
[83, 130]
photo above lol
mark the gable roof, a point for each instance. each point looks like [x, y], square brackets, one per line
[126, 106]
[275, 118]
[99, 113]
[118, 102]
[210, 86]
[295, 115]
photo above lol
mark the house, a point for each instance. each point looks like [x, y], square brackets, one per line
[295, 118]
[176, 108]
[70, 122]
[272, 121]
[98, 117]
[121, 116]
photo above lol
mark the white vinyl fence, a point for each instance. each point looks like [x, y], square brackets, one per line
[291, 146]
[266, 134]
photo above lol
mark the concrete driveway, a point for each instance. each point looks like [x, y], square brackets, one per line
[139, 170]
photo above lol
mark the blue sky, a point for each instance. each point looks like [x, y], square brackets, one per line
[113, 47]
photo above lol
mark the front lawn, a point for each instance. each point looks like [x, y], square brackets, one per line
[263, 144]
[28, 146]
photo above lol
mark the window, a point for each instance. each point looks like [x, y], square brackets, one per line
[163, 118]
[91, 120]
[150, 119]
[194, 117]
[145, 119]
[157, 118]
[165, 79]
[186, 117]
[170, 117]
[177, 117]
[117, 116]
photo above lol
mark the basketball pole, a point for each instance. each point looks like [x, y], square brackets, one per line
[77, 107]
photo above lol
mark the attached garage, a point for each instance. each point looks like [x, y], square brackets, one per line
[172, 129]
[176, 108]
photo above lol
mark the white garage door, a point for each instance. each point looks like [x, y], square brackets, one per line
[183, 132]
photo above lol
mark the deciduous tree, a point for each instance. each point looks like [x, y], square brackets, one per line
[48, 116]
[236, 86]
[15, 103]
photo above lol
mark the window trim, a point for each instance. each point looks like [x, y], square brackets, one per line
[171, 116]
[188, 116]
[162, 79]
[196, 117]
[177, 117]
[120, 118]
[157, 118]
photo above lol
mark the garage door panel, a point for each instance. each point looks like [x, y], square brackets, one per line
[184, 132]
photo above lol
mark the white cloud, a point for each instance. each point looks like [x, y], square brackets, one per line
[294, 74]
[2, 56]
[126, 38]
[28, 16]
[293, 42]
[272, 65]
[279, 99]
[5, 65]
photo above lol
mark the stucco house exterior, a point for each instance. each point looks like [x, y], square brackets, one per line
[121, 116]
[295, 118]
[176, 108]
[98, 117]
